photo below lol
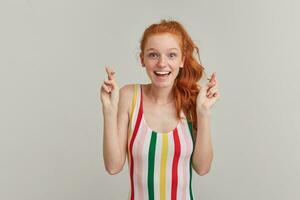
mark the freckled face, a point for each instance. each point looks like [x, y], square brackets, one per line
[162, 59]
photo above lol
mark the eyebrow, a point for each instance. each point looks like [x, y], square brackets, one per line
[167, 49]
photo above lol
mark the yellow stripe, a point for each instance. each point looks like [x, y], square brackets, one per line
[132, 111]
[134, 101]
[163, 167]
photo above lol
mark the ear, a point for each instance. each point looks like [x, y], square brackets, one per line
[142, 59]
[182, 62]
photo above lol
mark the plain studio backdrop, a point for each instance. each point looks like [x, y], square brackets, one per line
[52, 59]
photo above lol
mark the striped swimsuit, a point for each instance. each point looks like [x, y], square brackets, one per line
[159, 163]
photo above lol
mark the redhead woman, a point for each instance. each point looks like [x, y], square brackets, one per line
[163, 127]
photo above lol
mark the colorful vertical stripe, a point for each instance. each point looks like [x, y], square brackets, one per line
[159, 163]
[175, 166]
[137, 124]
[151, 163]
[163, 168]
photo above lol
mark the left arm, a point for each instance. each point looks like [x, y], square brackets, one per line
[203, 150]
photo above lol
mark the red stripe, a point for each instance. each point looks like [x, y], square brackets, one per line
[137, 125]
[175, 165]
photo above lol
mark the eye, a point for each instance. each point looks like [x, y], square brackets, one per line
[152, 55]
[173, 55]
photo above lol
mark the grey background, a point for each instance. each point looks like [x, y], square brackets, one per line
[52, 58]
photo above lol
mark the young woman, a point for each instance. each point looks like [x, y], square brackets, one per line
[163, 128]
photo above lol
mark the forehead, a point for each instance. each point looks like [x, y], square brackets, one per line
[162, 42]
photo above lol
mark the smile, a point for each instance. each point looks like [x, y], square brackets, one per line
[158, 73]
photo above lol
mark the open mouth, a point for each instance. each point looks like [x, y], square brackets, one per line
[162, 74]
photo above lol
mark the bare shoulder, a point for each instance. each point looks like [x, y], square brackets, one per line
[127, 91]
[126, 96]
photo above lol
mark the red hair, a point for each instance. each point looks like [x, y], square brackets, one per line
[185, 88]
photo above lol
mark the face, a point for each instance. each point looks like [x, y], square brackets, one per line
[162, 59]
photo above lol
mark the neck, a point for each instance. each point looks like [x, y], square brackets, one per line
[160, 96]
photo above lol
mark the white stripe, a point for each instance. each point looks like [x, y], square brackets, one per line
[135, 160]
[157, 166]
[145, 162]
[186, 137]
[180, 162]
[169, 165]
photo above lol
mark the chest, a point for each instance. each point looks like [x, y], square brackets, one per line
[160, 118]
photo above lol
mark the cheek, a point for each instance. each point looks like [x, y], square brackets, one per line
[149, 70]
[176, 66]
[150, 65]
[176, 62]
[151, 62]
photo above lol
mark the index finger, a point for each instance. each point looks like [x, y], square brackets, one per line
[213, 77]
[212, 81]
[110, 73]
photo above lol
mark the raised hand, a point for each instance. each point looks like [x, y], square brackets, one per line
[109, 91]
[208, 95]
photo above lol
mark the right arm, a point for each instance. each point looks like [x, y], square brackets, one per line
[115, 106]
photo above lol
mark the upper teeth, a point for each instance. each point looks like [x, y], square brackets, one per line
[162, 72]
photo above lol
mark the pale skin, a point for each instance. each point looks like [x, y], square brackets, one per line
[161, 53]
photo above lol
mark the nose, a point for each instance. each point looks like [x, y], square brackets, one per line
[162, 62]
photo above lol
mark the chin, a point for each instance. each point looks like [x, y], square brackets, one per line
[162, 84]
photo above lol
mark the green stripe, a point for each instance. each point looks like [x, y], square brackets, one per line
[191, 132]
[151, 159]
